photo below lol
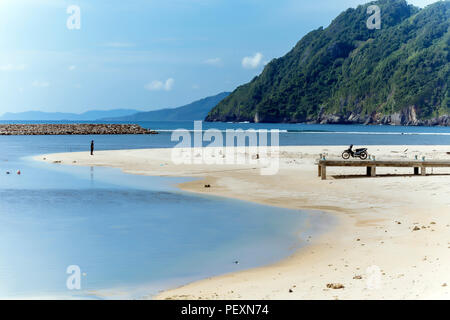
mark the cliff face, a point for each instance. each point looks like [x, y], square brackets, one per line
[406, 117]
[347, 73]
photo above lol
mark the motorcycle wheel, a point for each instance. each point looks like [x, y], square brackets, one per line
[363, 156]
[345, 155]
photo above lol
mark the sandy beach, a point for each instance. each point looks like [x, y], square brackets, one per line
[392, 239]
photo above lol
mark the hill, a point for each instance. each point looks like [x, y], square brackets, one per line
[197, 110]
[346, 73]
[56, 116]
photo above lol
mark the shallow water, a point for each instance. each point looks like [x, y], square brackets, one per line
[133, 235]
[130, 235]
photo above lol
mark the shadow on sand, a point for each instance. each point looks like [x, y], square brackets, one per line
[391, 175]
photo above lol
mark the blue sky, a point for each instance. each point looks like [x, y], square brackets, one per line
[144, 54]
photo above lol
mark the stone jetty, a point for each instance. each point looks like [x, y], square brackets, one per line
[72, 129]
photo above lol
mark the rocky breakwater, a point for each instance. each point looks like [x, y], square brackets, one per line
[72, 129]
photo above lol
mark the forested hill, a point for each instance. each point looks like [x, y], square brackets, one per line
[347, 73]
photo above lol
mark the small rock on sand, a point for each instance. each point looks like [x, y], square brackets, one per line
[335, 286]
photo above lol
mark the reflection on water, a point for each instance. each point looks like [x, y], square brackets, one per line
[123, 231]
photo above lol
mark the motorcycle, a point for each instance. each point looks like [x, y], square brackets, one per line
[358, 153]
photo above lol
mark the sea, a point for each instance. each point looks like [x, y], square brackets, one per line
[97, 233]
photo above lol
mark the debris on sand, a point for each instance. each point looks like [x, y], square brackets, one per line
[207, 186]
[357, 277]
[335, 286]
[416, 228]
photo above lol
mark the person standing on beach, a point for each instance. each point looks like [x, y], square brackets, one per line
[92, 147]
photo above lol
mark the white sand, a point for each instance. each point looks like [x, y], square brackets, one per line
[375, 231]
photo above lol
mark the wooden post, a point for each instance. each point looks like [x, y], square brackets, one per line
[373, 171]
[416, 171]
[323, 172]
[423, 171]
[320, 170]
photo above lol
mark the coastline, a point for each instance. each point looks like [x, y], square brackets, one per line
[376, 218]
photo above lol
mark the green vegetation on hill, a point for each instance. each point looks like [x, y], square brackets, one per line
[347, 73]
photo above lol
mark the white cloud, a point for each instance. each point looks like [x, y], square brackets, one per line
[169, 84]
[160, 85]
[213, 62]
[12, 67]
[252, 62]
[41, 84]
[71, 68]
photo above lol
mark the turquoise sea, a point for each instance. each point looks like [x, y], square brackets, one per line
[133, 236]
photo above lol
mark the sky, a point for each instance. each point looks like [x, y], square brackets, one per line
[144, 54]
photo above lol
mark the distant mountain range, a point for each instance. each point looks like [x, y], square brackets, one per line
[56, 116]
[349, 73]
[197, 110]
